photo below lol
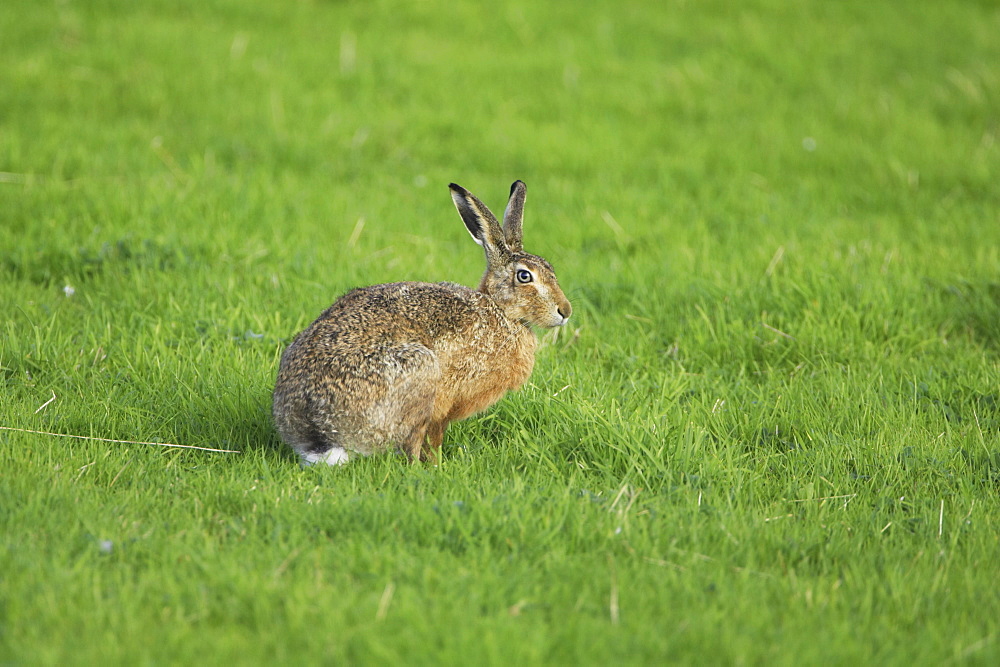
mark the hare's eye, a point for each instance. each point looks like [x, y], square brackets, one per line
[524, 276]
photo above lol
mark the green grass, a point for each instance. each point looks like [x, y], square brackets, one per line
[770, 433]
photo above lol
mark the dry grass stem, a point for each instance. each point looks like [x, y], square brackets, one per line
[121, 442]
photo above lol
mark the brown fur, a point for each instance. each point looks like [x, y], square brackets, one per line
[392, 365]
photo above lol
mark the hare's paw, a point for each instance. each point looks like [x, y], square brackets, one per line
[335, 456]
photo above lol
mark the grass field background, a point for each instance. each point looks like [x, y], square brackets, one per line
[769, 434]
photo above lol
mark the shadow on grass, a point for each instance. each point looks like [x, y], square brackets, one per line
[974, 309]
[255, 432]
[48, 265]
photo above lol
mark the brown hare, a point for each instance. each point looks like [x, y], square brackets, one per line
[389, 366]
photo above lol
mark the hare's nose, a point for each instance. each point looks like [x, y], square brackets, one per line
[565, 310]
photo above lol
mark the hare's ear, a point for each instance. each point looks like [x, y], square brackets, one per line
[481, 223]
[513, 216]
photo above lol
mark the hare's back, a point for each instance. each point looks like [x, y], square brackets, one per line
[402, 313]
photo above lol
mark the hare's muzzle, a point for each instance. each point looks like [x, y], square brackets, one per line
[564, 310]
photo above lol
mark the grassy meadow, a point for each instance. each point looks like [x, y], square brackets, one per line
[770, 434]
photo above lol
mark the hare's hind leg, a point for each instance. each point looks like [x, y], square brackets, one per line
[406, 408]
[412, 416]
[413, 444]
[435, 435]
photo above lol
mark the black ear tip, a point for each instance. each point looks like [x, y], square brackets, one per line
[513, 186]
[455, 187]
